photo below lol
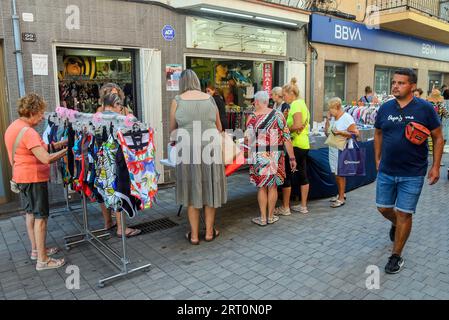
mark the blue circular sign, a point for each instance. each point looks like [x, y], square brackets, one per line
[168, 32]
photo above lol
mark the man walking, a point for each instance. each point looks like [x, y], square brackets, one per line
[401, 164]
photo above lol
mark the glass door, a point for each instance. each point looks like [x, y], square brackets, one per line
[334, 82]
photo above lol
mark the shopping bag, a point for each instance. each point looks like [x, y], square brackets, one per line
[351, 162]
[230, 149]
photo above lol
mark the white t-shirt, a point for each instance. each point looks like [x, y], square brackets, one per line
[343, 123]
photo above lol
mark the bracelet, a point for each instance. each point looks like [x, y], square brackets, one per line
[292, 159]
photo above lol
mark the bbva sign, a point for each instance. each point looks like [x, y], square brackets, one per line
[347, 33]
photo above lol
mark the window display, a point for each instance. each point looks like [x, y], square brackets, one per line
[236, 81]
[81, 74]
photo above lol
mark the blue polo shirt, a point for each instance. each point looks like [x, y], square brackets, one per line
[400, 157]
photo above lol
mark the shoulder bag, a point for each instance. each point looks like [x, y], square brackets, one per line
[14, 185]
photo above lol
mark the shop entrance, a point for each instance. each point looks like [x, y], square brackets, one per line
[5, 171]
[237, 81]
[82, 72]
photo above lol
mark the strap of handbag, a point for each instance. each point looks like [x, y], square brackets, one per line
[16, 143]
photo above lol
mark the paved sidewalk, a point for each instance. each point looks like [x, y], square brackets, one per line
[323, 255]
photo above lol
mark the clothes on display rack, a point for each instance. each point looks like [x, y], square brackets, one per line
[363, 115]
[112, 166]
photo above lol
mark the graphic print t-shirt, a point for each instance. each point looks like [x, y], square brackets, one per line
[400, 157]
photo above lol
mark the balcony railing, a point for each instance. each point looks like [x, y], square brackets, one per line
[434, 8]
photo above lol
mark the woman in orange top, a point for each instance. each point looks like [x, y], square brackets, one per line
[31, 171]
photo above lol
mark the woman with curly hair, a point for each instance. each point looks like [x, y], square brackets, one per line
[30, 158]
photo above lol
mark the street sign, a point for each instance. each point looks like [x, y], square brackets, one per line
[28, 37]
[168, 32]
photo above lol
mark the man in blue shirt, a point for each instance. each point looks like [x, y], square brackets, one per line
[402, 165]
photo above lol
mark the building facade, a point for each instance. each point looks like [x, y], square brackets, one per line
[365, 50]
[70, 48]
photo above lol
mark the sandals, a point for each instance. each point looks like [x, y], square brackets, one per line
[260, 222]
[50, 252]
[216, 234]
[337, 204]
[131, 234]
[194, 243]
[273, 220]
[51, 263]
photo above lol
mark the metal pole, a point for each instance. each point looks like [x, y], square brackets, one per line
[85, 217]
[124, 259]
[312, 86]
[18, 47]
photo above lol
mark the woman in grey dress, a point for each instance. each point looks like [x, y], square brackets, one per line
[200, 178]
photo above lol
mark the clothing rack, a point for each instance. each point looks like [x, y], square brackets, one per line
[93, 237]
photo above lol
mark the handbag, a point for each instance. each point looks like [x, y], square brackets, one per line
[337, 142]
[14, 186]
[351, 162]
[229, 148]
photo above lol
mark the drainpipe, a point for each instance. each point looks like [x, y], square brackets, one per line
[312, 85]
[18, 47]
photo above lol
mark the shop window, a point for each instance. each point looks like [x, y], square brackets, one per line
[237, 81]
[435, 81]
[82, 72]
[334, 82]
[226, 36]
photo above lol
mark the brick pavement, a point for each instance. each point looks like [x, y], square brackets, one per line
[323, 255]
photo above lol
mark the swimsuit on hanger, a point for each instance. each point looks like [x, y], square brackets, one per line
[139, 153]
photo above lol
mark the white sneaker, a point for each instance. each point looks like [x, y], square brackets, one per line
[300, 209]
[281, 211]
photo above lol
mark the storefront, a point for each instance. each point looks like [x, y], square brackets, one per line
[241, 60]
[88, 46]
[351, 57]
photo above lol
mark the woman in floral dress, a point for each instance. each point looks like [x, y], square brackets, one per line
[268, 136]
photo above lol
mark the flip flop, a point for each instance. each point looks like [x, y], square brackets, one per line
[216, 234]
[189, 238]
[131, 234]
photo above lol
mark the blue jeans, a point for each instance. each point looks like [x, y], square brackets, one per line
[401, 193]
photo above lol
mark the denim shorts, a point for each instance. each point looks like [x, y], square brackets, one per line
[401, 193]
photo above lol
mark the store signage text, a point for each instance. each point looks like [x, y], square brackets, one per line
[347, 33]
[344, 33]
[429, 49]
[267, 77]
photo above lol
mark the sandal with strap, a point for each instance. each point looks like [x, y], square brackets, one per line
[216, 234]
[273, 220]
[337, 204]
[51, 263]
[50, 252]
[259, 221]
[189, 238]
